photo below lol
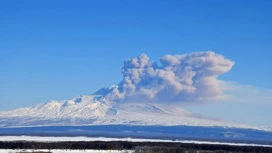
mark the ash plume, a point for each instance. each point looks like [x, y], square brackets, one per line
[178, 78]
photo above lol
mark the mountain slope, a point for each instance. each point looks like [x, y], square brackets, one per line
[96, 110]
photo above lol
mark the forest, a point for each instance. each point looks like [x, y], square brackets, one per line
[143, 147]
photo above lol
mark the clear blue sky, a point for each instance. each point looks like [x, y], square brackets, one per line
[60, 49]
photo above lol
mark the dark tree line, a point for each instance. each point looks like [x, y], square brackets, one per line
[152, 147]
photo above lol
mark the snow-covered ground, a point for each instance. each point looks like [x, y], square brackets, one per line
[75, 139]
[67, 151]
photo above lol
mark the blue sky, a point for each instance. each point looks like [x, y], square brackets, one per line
[60, 49]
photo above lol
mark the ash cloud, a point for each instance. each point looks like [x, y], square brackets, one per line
[179, 78]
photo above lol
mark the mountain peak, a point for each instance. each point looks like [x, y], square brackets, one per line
[105, 91]
[85, 98]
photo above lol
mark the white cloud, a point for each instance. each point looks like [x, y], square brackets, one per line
[236, 92]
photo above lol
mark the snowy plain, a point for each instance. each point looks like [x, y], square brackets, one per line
[66, 151]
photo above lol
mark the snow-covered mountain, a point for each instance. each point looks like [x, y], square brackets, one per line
[96, 110]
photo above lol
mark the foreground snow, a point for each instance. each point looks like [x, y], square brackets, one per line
[66, 151]
[96, 110]
[90, 139]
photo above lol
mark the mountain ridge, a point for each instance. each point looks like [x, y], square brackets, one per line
[97, 110]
